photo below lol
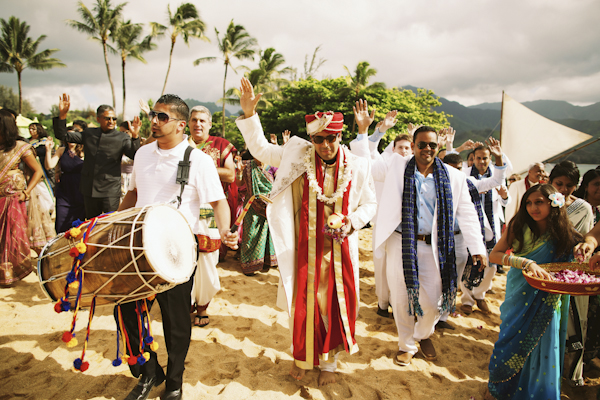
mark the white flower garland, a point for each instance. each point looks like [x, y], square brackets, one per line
[314, 185]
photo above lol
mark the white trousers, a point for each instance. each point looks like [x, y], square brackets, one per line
[461, 261]
[382, 289]
[478, 293]
[206, 280]
[430, 293]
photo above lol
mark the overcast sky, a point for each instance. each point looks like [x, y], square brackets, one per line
[464, 50]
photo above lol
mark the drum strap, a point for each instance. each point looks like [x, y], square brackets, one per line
[183, 172]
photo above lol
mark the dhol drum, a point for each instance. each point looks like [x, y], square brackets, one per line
[131, 255]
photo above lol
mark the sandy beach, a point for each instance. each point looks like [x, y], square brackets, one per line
[244, 353]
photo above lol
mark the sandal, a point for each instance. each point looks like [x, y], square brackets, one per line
[198, 320]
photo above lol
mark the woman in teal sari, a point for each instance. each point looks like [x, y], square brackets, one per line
[528, 356]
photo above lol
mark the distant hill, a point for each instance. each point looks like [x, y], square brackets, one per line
[477, 122]
[553, 109]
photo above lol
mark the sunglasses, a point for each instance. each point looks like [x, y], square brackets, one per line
[320, 139]
[422, 145]
[162, 117]
[110, 118]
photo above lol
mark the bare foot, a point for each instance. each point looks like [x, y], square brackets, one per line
[487, 395]
[296, 372]
[326, 377]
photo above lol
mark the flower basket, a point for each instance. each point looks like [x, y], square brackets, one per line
[576, 289]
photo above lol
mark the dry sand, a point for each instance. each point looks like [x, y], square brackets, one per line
[244, 352]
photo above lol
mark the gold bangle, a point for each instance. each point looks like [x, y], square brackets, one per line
[27, 195]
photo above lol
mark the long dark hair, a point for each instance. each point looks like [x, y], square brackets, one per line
[8, 130]
[41, 131]
[587, 178]
[558, 227]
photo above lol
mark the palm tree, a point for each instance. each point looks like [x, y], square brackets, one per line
[359, 82]
[18, 51]
[127, 38]
[185, 22]
[235, 43]
[99, 27]
[266, 79]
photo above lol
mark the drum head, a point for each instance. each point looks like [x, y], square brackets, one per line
[169, 244]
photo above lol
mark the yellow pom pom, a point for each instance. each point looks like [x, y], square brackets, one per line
[81, 247]
[74, 285]
[72, 343]
[75, 232]
[147, 356]
[124, 359]
[154, 346]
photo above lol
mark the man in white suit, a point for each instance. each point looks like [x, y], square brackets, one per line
[318, 283]
[418, 235]
[492, 201]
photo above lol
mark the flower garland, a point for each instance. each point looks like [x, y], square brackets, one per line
[314, 184]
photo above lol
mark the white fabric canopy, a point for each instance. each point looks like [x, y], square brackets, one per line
[527, 137]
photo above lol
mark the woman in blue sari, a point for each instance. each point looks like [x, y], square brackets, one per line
[528, 356]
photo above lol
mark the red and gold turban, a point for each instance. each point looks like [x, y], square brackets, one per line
[329, 122]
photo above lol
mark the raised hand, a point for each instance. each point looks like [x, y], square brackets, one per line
[450, 134]
[134, 127]
[494, 145]
[274, 138]
[389, 121]
[144, 107]
[502, 191]
[49, 143]
[286, 136]
[362, 117]
[248, 100]
[64, 103]
[412, 128]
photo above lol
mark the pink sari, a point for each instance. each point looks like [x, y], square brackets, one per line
[15, 260]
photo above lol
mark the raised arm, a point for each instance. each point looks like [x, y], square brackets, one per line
[251, 128]
[60, 123]
[51, 160]
[132, 144]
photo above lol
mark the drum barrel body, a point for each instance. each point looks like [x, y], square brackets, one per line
[115, 266]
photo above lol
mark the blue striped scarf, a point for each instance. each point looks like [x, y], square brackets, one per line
[445, 240]
[472, 277]
[487, 206]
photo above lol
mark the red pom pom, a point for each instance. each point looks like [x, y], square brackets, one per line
[67, 336]
[57, 307]
[132, 361]
[67, 235]
[84, 366]
[74, 252]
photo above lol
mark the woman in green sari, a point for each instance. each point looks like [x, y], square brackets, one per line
[528, 356]
[256, 248]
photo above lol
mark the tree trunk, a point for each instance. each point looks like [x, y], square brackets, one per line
[20, 92]
[223, 119]
[112, 86]
[123, 66]
[169, 68]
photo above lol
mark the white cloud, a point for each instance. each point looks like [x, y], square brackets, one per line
[463, 50]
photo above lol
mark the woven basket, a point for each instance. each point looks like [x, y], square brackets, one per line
[576, 289]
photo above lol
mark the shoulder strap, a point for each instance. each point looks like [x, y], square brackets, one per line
[183, 173]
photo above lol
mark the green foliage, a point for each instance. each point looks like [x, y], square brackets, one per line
[310, 95]
[18, 51]
[8, 99]
[232, 133]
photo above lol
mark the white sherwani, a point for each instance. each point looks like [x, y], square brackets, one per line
[280, 214]
[390, 170]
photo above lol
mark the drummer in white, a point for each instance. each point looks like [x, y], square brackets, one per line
[154, 181]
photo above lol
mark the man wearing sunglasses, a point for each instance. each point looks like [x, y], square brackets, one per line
[104, 148]
[153, 181]
[318, 275]
[422, 199]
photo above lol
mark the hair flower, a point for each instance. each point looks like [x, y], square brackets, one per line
[557, 199]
